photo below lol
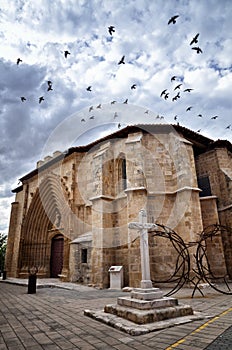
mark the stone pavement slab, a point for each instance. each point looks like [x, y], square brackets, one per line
[53, 318]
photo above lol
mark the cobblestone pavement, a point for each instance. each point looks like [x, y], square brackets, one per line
[53, 319]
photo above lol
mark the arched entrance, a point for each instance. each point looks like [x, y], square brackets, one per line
[57, 253]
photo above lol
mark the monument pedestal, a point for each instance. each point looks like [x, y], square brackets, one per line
[144, 311]
[147, 306]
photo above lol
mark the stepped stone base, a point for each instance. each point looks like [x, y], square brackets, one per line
[146, 308]
[134, 329]
[148, 316]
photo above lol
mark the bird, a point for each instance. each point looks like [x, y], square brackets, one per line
[173, 78]
[66, 53]
[173, 19]
[163, 92]
[199, 130]
[215, 117]
[119, 125]
[89, 88]
[49, 83]
[146, 112]
[166, 96]
[175, 118]
[189, 108]
[125, 102]
[92, 117]
[19, 60]
[113, 102]
[90, 108]
[176, 97]
[23, 98]
[115, 115]
[228, 127]
[198, 49]
[133, 86]
[49, 88]
[200, 115]
[111, 29]
[41, 99]
[188, 90]
[194, 40]
[122, 60]
[82, 120]
[177, 87]
[99, 106]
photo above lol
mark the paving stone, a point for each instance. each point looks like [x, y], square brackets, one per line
[54, 319]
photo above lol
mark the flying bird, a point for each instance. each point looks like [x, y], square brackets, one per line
[133, 86]
[199, 130]
[41, 99]
[173, 19]
[111, 29]
[163, 92]
[228, 127]
[188, 90]
[176, 97]
[19, 60]
[90, 108]
[173, 78]
[146, 112]
[92, 117]
[195, 39]
[215, 117]
[82, 120]
[166, 96]
[89, 88]
[198, 49]
[66, 53]
[23, 98]
[177, 87]
[189, 108]
[122, 60]
[119, 125]
[49, 82]
[175, 118]
[115, 115]
[200, 115]
[125, 102]
[49, 88]
[99, 106]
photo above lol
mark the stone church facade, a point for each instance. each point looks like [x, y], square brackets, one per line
[70, 215]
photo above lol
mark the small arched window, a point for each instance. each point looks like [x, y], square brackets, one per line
[122, 175]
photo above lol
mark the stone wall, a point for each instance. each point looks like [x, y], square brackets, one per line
[161, 177]
[217, 165]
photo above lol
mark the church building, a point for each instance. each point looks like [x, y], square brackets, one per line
[71, 214]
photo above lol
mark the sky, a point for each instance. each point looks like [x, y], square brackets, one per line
[39, 32]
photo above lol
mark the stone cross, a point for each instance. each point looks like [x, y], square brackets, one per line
[142, 226]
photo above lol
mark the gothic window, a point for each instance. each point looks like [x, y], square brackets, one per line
[122, 175]
[84, 255]
[204, 185]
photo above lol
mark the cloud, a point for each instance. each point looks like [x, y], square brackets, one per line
[39, 32]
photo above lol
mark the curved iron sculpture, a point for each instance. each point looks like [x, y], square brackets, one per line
[182, 266]
[203, 271]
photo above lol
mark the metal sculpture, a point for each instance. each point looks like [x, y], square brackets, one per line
[203, 272]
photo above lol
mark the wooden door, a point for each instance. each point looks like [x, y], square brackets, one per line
[57, 253]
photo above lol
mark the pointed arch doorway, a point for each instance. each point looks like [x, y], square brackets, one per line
[57, 255]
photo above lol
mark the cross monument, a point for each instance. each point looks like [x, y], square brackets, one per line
[142, 226]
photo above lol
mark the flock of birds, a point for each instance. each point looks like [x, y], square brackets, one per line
[164, 94]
